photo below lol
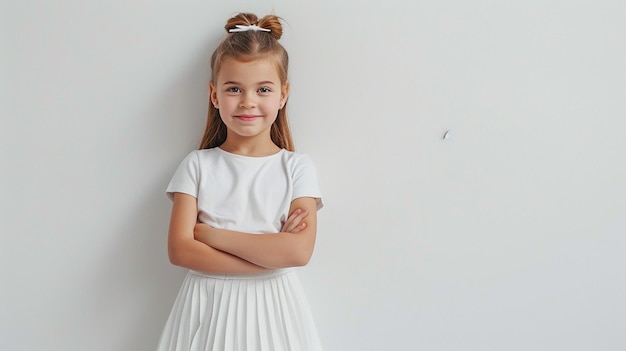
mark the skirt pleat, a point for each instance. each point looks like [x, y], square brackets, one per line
[264, 312]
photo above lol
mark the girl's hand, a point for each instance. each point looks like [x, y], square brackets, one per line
[294, 223]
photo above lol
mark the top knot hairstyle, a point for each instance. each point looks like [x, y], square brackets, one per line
[247, 46]
[270, 22]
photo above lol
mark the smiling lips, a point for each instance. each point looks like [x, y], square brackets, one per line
[247, 118]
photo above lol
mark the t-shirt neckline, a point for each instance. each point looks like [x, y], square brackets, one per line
[230, 154]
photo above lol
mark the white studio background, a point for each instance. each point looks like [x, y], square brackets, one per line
[507, 235]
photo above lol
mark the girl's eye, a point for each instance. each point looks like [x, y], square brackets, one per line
[234, 90]
[264, 90]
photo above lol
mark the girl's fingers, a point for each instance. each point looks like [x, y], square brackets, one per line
[298, 228]
[294, 221]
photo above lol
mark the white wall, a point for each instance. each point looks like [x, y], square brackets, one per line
[509, 235]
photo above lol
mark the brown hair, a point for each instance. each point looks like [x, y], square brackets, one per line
[247, 46]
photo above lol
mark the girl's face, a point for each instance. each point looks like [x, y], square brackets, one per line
[248, 96]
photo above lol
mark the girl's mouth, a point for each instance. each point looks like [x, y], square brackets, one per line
[247, 118]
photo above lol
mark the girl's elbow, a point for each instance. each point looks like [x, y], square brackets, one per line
[302, 261]
[301, 257]
[175, 255]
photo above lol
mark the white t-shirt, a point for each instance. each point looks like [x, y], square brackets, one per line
[248, 194]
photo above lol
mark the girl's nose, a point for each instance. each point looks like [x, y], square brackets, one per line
[247, 101]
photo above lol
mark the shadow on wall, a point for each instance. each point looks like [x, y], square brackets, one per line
[136, 283]
[137, 277]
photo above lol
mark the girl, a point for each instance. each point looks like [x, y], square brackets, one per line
[241, 292]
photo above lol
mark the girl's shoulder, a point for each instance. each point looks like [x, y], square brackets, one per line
[298, 163]
[296, 157]
[206, 152]
[196, 157]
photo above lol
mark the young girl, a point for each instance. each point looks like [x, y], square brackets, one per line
[244, 208]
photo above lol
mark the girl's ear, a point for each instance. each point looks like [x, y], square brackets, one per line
[213, 95]
[284, 94]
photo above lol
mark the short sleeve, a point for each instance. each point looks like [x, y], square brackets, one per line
[186, 178]
[305, 182]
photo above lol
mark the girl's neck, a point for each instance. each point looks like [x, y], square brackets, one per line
[249, 148]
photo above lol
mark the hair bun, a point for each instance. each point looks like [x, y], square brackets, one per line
[270, 22]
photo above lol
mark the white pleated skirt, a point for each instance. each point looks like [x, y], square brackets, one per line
[266, 311]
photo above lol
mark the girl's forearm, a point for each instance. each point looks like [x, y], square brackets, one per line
[195, 255]
[267, 250]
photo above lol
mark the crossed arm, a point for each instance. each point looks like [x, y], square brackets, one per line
[219, 251]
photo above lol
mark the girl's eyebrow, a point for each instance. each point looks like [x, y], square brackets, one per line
[265, 82]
